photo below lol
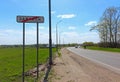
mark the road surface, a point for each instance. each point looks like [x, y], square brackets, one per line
[109, 60]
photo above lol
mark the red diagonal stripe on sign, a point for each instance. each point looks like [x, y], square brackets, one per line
[28, 19]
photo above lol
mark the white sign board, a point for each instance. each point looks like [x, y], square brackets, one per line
[30, 19]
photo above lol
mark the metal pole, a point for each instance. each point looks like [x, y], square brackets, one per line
[56, 39]
[23, 58]
[50, 39]
[57, 35]
[37, 50]
[59, 41]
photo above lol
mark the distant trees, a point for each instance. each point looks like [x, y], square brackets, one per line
[88, 44]
[109, 27]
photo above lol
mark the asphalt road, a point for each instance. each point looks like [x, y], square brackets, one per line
[109, 60]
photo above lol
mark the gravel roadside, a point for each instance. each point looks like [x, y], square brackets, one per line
[73, 68]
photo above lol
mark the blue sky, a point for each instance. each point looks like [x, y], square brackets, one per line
[77, 17]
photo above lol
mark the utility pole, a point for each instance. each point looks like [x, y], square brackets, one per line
[59, 40]
[50, 39]
[57, 35]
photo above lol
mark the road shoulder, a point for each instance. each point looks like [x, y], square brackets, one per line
[73, 68]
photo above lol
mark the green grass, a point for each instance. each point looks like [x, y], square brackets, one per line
[104, 49]
[11, 62]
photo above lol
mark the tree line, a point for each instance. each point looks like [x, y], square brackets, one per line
[108, 28]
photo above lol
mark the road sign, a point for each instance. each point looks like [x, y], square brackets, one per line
[30, 19]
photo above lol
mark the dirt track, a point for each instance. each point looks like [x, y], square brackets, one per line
[73, 68]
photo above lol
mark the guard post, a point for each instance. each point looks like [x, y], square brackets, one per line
[30, 19]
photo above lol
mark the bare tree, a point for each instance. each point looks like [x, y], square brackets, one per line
[108, 26]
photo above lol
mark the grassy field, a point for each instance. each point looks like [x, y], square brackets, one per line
[104, 49]
[11, 62]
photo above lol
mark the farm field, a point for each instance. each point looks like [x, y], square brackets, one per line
[11, 62]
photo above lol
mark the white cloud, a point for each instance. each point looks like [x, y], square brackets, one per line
[14, 36]
[66, 16]
[89, 37]
[71, 28]
[75, 37]
[53, 12]
[70, 37]
[41, 28]
[91, 23]
[10, 36]
[70, 34]
[34, 27]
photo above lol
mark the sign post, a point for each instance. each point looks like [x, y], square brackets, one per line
[23, 75]
[37, 50]
[30, 19]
